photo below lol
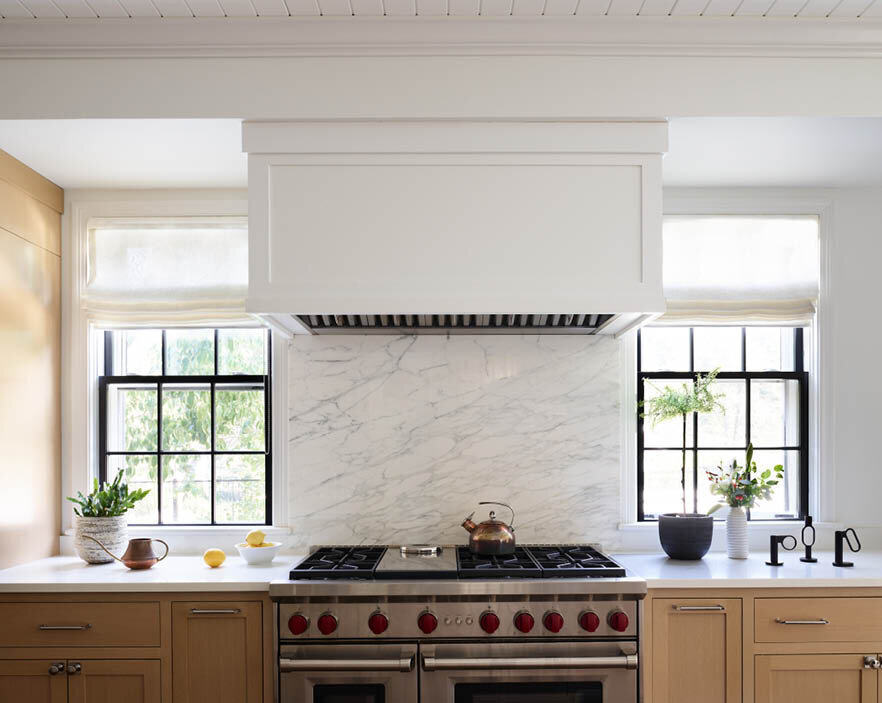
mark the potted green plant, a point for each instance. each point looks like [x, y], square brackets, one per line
[740, 487]
[684, 535]
[102, 515]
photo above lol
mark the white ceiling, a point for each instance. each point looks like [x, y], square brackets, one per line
[58, 9]
[779, 151]
[130, 153]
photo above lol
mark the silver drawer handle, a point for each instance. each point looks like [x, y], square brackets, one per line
[700, 608]
[87, 626]
[628, 661]
[221, 611]
[403, 664]
[819, 621]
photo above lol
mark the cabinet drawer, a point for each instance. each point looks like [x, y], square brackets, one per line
[86, 624]
[818, 619]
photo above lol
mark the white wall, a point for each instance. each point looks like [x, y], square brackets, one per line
[396, 439]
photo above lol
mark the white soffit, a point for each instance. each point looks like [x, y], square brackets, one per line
[186, 153]
[774, 151]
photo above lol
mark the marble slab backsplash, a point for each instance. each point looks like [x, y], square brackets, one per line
[395, 439]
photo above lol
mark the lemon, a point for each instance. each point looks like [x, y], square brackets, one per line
[255, 538]
[214, 557]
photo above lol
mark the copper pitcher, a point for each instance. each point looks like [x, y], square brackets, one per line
[139, 554]
[491, 537]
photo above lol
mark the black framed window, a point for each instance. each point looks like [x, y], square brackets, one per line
[764, 383]
[187, 414]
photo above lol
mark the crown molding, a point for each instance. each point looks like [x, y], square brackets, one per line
[441, 36]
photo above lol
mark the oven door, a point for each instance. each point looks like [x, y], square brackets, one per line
[348, 673]
[524, 672]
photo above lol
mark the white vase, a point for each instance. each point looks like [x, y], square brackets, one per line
[736, 534]
[112, 532]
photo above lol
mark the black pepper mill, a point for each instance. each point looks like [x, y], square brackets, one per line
[810, 529]
[774, 541]
[841, 536]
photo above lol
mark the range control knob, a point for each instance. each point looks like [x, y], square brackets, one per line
[524, 621]
[427, 623]
[327, 623]
[589, 621]
[378, 623]
[298, 624]
[618, 621]
[489, 622]
[553, 622]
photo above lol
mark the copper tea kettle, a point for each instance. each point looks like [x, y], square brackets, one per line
[491, 537]
[139, 554]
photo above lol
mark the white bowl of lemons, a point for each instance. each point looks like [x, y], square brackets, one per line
[256, 550]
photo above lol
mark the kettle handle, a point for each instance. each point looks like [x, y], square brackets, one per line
[156, 539]
[102, 547]
[504, 505]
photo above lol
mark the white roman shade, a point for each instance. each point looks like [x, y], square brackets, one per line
[741, 269]
[166, 270]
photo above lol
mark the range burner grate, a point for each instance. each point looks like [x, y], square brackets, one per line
[517, 565]
[563, 561]
[340, 563]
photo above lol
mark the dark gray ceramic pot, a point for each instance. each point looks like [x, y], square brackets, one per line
[685, 536]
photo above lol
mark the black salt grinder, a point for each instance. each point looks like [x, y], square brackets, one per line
[841, 536]
[774, 541]
[808, 529]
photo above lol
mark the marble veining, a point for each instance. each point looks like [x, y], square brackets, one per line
[396, 439]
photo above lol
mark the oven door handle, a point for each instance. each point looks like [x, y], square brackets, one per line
[402, 664]
[627, 661]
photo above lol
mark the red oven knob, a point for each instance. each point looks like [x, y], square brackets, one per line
[589, 621]
[427, 623]
[618, 621]
[524, 621]
[553, 622]
[298, 624]
[327, 623]
[378, 623]
[489, 622]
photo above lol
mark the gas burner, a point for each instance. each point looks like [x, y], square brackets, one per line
[517, 565]
[562, 561]
[340, 563]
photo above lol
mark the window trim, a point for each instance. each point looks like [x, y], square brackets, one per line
[105, 382]
[798, 374]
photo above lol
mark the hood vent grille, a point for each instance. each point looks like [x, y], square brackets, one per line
[455, 324]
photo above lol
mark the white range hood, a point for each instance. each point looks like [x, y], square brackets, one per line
[476, 227]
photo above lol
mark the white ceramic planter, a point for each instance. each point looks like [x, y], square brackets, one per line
[736, 534]
[112, 532]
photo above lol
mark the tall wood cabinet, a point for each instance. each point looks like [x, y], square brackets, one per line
[696, 650]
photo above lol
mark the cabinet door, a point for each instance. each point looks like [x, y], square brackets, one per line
[815, 678]
[217, 652]
[113, 681]
[30, 681]
[696, 650]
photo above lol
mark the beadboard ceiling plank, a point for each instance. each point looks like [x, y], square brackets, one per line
[400, 8]
[303, 8]
[558, 8]
[753, 8]
[850, 9]
[785, 8]
[367, 8]
[527, 8]
[76, 8]
[140, 8]
[496, 8]
[43, 8]
[657, 8]
[13, 8]
[874, 10]
[462, 8]
[431, 8]
[335, 8]
[270, 8]
[721, 8]
[818, 8]
[171, 8]
[688, 8]
[592, 7]
[624, 8]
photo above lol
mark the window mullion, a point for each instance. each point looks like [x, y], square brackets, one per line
[159, 462]
[213, 446]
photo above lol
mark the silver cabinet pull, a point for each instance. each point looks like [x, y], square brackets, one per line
[628, 661]
[871, 662]
[700, 608]
[74, 668]
[403, 664]
[218, 611]
[56, 668]
[819, 621]
[45, 628]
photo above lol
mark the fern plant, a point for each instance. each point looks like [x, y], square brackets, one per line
[111, 500]
[682, 402]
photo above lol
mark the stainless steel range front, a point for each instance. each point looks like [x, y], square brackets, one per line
[547, 624]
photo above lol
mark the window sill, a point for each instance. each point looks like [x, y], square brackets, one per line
[192, 539]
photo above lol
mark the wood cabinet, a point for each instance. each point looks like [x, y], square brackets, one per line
[218, 652]
[815, 678]
[696, 650]
[29, 681]
[113, 681]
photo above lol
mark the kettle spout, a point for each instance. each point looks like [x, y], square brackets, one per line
[468, 524]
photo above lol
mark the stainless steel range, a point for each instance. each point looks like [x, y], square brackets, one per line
[374, 624]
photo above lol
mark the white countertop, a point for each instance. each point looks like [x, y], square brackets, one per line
[716, 570]
[188, 573]
[184, 573]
